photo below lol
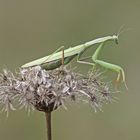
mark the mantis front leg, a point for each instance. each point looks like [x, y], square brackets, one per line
[110, 66]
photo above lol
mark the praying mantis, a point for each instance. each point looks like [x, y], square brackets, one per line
[58, 58]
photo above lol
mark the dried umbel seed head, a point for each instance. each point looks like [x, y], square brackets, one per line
[36, 88]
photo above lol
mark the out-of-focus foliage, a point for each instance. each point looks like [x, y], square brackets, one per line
[30, 29]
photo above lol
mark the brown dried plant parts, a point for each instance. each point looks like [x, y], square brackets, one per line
[37, 89]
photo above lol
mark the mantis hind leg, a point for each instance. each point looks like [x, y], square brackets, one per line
[58, 50]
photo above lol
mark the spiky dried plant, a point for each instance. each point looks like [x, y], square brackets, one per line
[36, 88]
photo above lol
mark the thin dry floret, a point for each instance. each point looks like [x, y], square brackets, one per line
[36, 88]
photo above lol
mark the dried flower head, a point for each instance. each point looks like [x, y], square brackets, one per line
[36, 88]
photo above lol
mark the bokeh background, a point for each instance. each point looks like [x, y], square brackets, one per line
[31, 29]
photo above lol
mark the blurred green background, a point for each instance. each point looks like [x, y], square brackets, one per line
[34, 28]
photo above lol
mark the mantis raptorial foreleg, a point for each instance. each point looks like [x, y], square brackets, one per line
[107, 65]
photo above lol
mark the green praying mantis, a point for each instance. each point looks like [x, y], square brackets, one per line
[55, 59]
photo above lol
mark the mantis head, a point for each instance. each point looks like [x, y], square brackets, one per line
[120, 31]
[116, 39]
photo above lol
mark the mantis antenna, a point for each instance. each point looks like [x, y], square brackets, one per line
[122, 30]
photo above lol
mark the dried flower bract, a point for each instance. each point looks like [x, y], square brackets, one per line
[36, 88]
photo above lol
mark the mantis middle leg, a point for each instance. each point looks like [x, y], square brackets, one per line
[81, 60]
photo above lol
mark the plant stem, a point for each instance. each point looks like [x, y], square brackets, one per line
[48, 125]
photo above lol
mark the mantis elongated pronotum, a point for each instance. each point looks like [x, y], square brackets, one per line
[55, 60]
